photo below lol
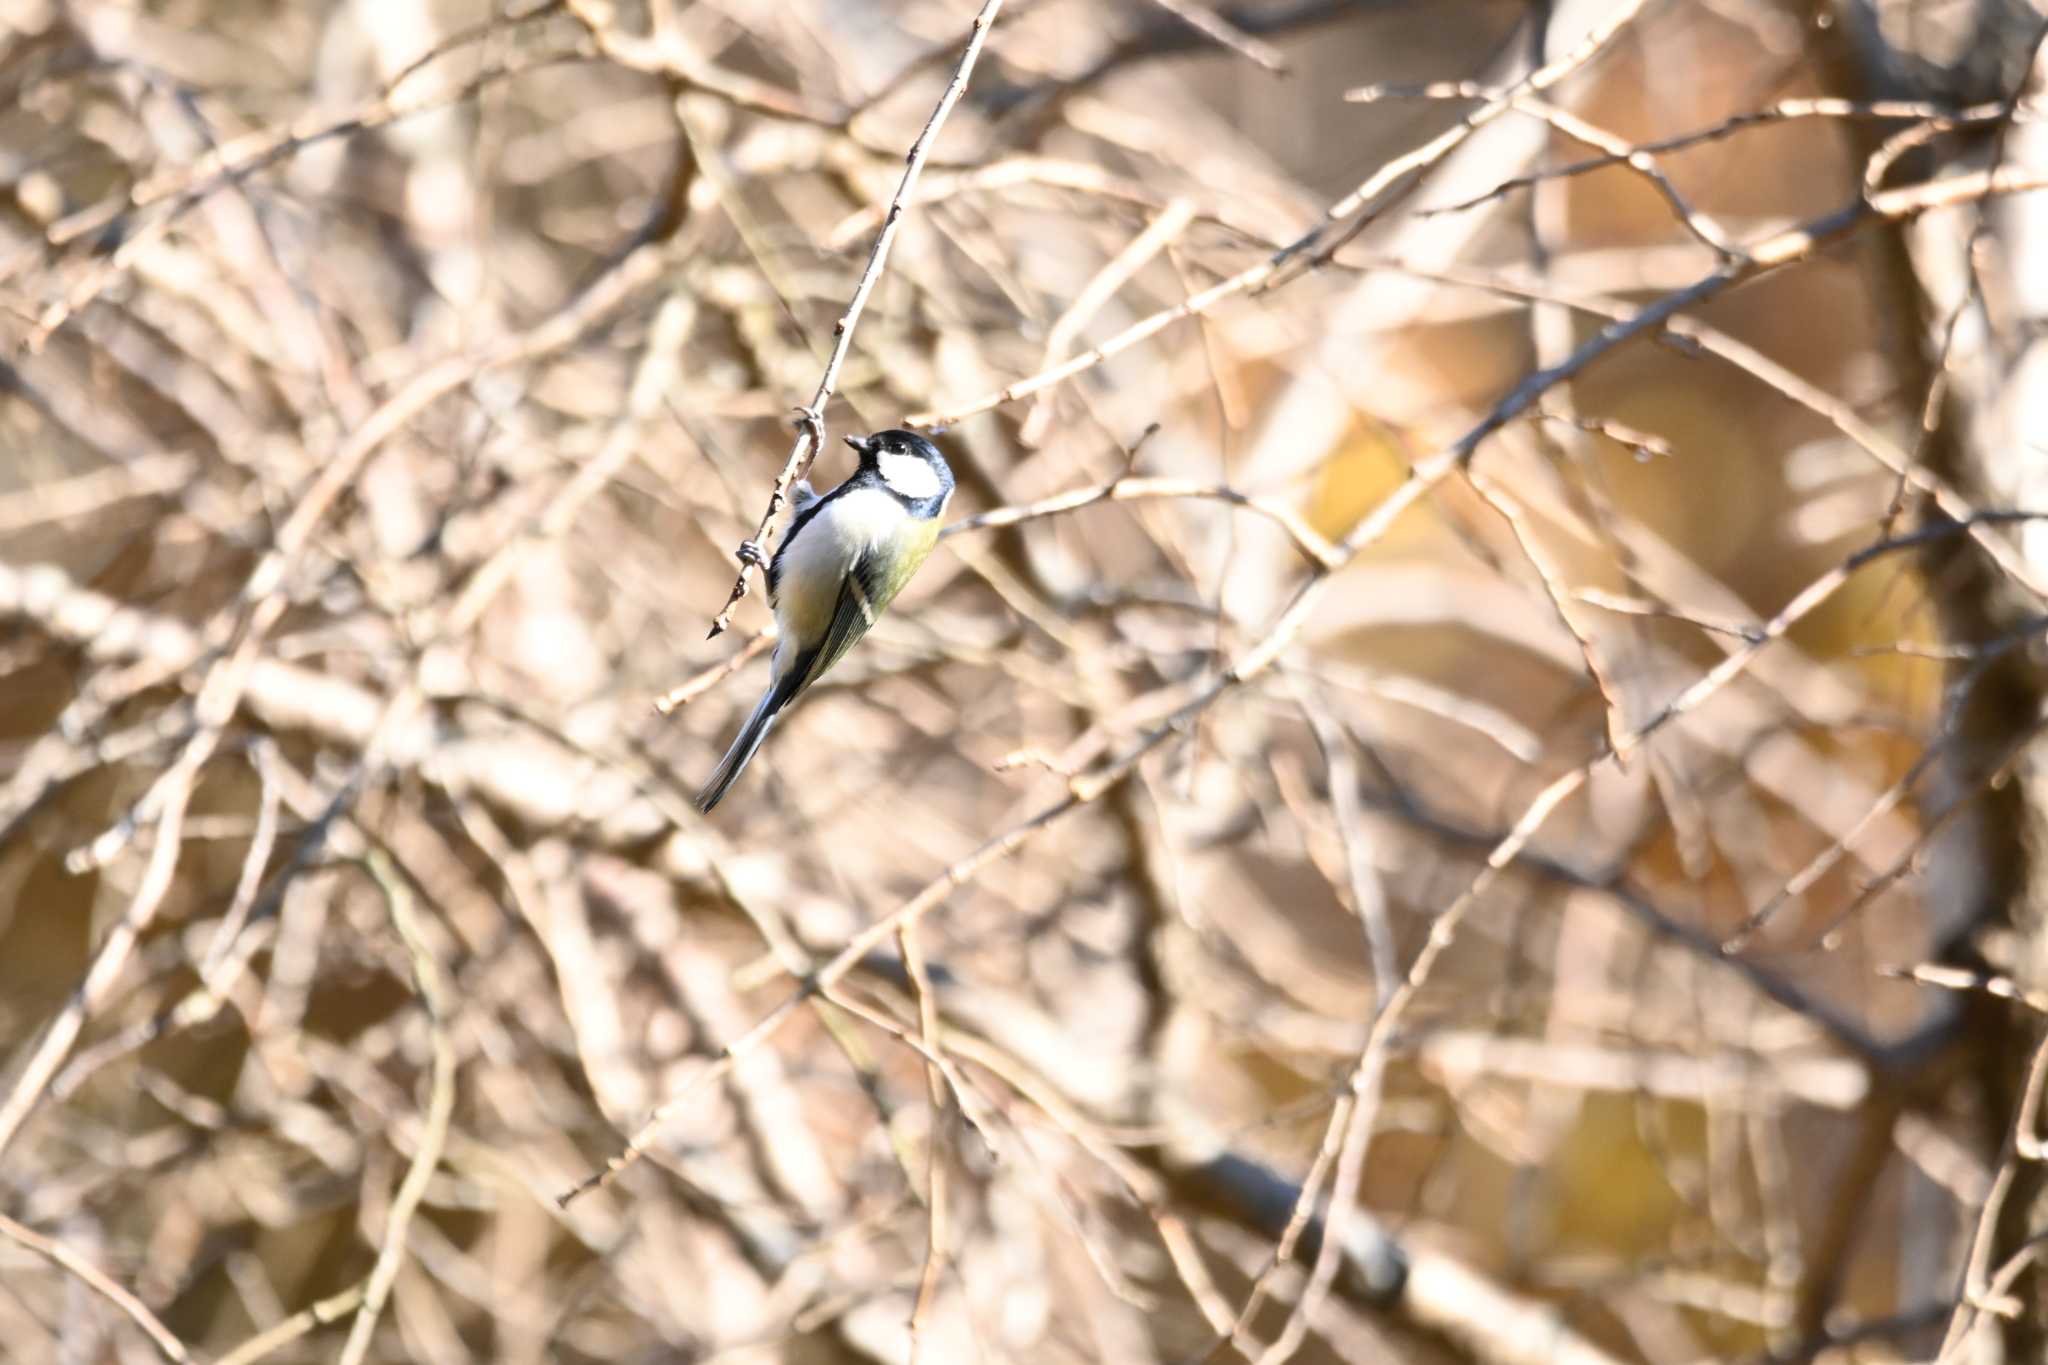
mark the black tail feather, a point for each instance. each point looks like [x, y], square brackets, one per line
[779, 694]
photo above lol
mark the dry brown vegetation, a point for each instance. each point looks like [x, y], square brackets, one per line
[1480, 697]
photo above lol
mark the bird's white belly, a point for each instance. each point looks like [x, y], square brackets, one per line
[819, 559]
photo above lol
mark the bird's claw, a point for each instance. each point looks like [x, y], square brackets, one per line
[751, 556]
[810, 419]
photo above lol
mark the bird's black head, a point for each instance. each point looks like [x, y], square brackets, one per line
[908, 465]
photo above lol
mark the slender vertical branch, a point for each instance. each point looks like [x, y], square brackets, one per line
[427, 978]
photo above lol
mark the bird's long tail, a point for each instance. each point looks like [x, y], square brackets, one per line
[749, 739]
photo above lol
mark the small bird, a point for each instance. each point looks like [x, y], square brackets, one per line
[845, 558]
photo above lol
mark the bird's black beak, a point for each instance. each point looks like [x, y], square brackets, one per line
[861, 443]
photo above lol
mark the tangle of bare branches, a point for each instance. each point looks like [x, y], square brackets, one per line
[1456, 789]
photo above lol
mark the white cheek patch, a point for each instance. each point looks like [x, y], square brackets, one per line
[907, 475]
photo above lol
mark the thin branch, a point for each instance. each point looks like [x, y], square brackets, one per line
[1311, 543]
[1195, 305]
[1551, 576]
[327, 1311]
[1053, 173]
[687, 691]
[1982, 1293]
[1354, 835]
[227, 953]
[1413, 163]
[1159, 234]
[90, 1275]
[435, 999]
[1948, 978]
[86, 494]
[937, 1194]
[668, 56]
[1220, 31]
[1939, 118]
[173, 796]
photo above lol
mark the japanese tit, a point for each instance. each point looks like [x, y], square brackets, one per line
[845, 557]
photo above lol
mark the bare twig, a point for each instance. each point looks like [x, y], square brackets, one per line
[93, 492]
[331, 1309]
[55, 1252]
[173, 796]
[1052, 173]
[1550, 575]
[226, 955]
[687, 691]
[1412, 163]
[1961, 979]
[1100, 289]
[1313, 546]
[1198, 16]
[1983, 1292]
[1933, 118]
[937, 1194]
[433, 991]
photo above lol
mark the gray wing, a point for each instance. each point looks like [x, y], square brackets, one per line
[859, 604]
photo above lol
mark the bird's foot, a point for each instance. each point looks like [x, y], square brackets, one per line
[810, 419]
